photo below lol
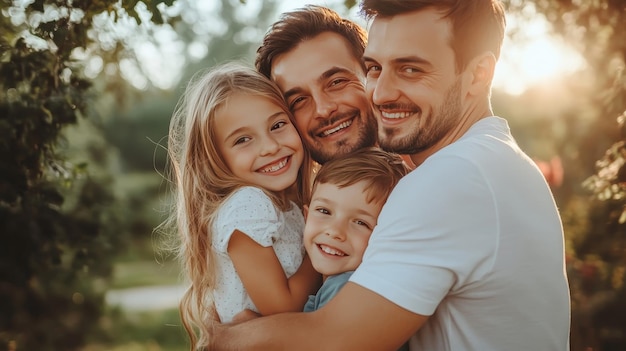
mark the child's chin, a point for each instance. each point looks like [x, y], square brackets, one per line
[329, 273]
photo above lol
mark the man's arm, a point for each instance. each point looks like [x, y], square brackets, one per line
[355, 319]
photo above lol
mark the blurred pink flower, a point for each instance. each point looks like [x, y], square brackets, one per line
[552, 170]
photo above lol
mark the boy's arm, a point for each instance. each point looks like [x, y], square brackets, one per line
[355, 319]
[264, 278]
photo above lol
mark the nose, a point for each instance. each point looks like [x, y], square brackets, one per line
[336, 230]
[325, 105]
[383, 89]
[269, 145]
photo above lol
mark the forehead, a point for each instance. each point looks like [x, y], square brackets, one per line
[305, 64]
[354, 195]
[243, 110]
[422, 33]
[350, 199]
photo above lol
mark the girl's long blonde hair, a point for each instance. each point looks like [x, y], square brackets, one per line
[201, 181]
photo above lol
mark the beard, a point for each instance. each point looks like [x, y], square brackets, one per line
[442, 121]
[367, 136]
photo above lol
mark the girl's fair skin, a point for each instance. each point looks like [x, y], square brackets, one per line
[263, 148]
[258, 142]
[339, 222]
[232, 129]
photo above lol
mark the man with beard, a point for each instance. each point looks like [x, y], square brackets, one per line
[468, 250]
[315, 57]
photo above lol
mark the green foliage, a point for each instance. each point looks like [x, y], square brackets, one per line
[55, 253]
[593, 201]
[139, 132]
[609, 182]
[141, 331]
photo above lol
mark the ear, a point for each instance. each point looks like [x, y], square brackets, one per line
[481, 70]
[305, 211]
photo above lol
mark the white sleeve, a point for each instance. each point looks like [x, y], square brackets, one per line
[250, 211]
[435, 236]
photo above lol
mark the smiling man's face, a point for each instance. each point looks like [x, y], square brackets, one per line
[324, 85]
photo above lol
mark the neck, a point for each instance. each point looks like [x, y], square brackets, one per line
[472, 116]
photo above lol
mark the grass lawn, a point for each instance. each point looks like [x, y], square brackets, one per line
[141, 331]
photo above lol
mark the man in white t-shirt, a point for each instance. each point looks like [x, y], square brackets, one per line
[468, 251]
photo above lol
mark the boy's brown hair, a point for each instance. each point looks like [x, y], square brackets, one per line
[381, 170]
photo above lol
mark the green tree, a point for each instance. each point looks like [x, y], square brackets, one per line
[57, 230]
[597, 251]
[134, 129]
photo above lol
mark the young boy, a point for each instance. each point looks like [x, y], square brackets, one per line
[348, 194]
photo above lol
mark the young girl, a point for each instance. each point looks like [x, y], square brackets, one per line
[241, 174]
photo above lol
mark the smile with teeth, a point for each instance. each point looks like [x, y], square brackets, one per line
[331, 251]
[341, 126]
[276, 166]
[395, 115]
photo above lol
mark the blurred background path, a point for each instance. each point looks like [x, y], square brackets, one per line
[148, 298]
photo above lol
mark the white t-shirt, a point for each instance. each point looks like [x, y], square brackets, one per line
[472, 238]
[252, 212]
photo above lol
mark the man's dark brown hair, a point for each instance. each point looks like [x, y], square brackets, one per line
[303, 24]
[477, 25]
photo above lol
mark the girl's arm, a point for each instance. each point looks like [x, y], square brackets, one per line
[265, 280]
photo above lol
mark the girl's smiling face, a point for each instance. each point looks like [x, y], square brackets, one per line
[258, 142]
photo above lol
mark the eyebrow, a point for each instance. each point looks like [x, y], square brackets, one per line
[327, 201]
[322, 199]
[405, 59]
[238, 130]
[325, 75]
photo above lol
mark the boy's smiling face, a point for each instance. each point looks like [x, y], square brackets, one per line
[339, 222]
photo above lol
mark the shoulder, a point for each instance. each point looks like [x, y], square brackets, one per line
[487, 140]
[248, 193]
[250, 211]
[335, 282]
[248, 198]
[468, 161]
[247, 204]
[329, 289]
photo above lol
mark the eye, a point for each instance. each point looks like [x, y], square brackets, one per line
[322, 210]
[372, 69]
[278, 125]
[411, 70]
[337, 81]
[242, 140]
[296, 102]
[363, 223]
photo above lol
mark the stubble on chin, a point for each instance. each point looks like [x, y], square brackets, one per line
[389, 140]
[318, 155]
[325, 152]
